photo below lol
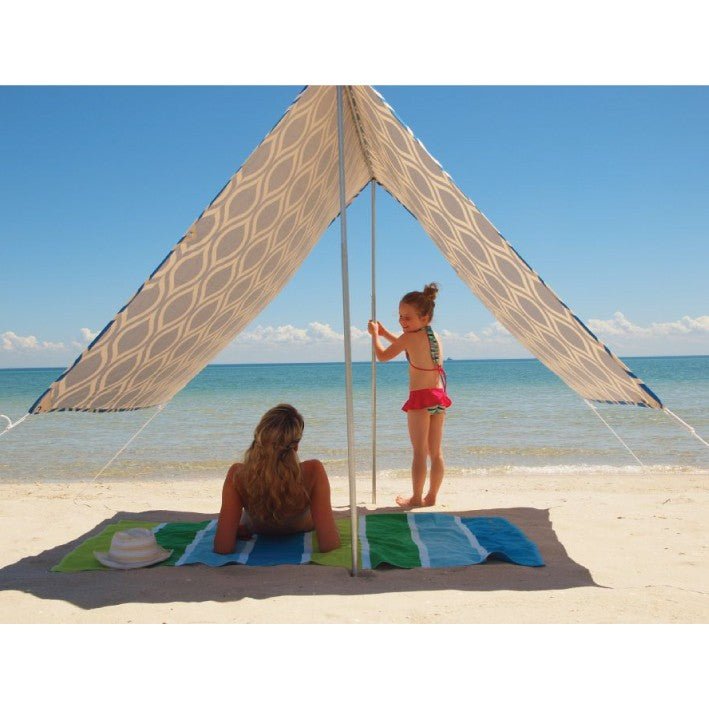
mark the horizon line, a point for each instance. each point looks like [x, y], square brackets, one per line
[369, 361]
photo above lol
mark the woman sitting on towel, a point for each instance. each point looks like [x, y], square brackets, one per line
[272, 492]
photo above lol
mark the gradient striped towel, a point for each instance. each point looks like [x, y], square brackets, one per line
[406, 540]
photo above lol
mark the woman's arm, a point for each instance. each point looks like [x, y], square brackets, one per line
[229, 515]
[397, 346]
[321, 509]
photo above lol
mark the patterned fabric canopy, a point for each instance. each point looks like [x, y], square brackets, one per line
[252, 238]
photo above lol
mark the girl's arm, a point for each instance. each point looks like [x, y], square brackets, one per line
[385, 333]
[397, 346]
[321, 510]
[229, 515]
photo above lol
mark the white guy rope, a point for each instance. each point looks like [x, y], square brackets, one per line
[595, 410]
[11, 425]
[125, 445]
[687, 426]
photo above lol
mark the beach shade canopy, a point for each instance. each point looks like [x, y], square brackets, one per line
[245, 246]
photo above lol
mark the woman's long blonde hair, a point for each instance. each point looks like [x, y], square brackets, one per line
[271, 477]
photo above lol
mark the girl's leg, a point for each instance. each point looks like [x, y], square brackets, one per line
[435, 439]
[418, 433]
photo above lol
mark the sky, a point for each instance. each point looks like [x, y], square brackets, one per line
[601, 189]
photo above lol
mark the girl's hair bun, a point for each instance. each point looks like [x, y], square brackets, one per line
[431, 290]
[424, 301]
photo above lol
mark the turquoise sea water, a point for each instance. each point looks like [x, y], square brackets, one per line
[508, 417]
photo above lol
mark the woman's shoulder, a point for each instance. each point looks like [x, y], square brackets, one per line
[233, 471]
[312, 470]
[313, 465]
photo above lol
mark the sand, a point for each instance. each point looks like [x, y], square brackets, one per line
[628, 548]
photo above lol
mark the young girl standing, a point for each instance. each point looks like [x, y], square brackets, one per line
[428, 400]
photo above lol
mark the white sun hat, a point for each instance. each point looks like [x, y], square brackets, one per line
[133, 549]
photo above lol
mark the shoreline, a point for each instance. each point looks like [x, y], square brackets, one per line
[618, 549]
[124, 476]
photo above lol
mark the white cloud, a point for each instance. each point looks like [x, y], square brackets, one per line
[322, 331]
[358, 335]
[320, 342]
[449, 336]
[496, 330]
[87, 337]
[620, 326]
[493, 341]
[12, 342]
[270, 335]
[316, 333]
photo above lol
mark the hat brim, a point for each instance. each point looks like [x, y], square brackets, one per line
[106, 560]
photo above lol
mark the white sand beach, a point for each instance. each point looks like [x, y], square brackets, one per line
[629, 548]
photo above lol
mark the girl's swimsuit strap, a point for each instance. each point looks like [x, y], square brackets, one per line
[435, 356]
[433, 344]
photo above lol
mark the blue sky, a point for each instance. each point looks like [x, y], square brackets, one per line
[603, 191]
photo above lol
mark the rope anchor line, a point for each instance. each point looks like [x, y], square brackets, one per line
[11, 425]
[595, 411]
[125, 445]
[687, 426]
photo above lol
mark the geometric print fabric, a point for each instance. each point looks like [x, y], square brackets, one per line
[487, 263]
[231, 263]
[246, 245]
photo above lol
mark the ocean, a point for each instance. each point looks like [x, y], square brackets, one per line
[509, 417]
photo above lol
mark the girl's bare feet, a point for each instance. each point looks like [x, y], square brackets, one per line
[409, 502]
[429, 500]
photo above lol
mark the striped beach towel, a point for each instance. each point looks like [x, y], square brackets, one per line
[404, 540]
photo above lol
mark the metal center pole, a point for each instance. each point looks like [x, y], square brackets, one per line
[348, 331]
[374, 353]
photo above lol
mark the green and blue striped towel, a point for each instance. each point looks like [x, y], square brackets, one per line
[405, 540]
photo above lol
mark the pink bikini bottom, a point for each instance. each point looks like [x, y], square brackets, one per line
[435, 400]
